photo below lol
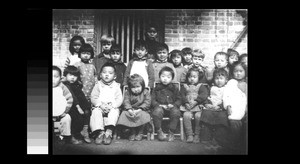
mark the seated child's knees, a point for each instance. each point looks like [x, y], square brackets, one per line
[198, 115]
[187, 115]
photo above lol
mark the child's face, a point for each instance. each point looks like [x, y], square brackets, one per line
[197, 61]
[152, 33]
[232, 59]
[115, 56]
[162, 55]
[136, 89]
[76, 45]
[193, 78]
[56, 78]
[187, 58]
[176, 60]
[239, 72]
[85, 56]
[140, 52]
[166, 77]
[245, 61]
[151, 57]
[220, 61]
[71, 78]
[220, 81]
[106, 46]
[108, 74]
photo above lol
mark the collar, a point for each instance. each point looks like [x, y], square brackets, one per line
[140, 59]
[103, 83]
[158, 61]
[160, 86]
[180, 65]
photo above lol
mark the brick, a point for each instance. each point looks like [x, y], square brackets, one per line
[221, 23]
[171, 27]
[182, 22]
[222, 31]
[168, 22]
[205, 22]
[168, 39]
[198, 23]
[175, 22]
[206, 18]
[220, 19]
[205, 31]
[229, 14]
[229, 23]
[190, 31]
[221, 14]
[171, 35]
[190, 40]
[205, 27]
[171, 18]
[205, 40]
[168, 31]
[205, 14]
[238, 23]
[90, 30]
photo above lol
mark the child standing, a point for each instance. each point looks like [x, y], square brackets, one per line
[162, 61]
[244, 59]
[214, 116]
[235, 100]
[115, 57]
[194, 94]
[106, 42]
[140, 65]
[220, 61]
[176, 58]
[87, 69]
[81, 108]
[151, 35]
[75, 43]
[187, 56]
[166, 100]
[107, 98]
[137, 103]
[62, 102]
[197, 62]
[233, 56]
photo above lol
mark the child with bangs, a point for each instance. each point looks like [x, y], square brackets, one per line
[75, 43]
[176, 57]
[187, 57]
[137, 101]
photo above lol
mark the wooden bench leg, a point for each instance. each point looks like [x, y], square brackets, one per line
[182, 136]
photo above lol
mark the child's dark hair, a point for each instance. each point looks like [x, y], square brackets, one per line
[200, 73]
[187, 50]
[151, 25]
[71, 46]
[242, 56]
[108, 64]
[107, 39]
[220, 72]
[86, 48]
[115, 48]
[231, 52]
[140, 44]
[173, 54]
[162, 46]
[56, 69]
[136, 79]
[221, 53]
[167, 69]
[239, 63]
[72, 70]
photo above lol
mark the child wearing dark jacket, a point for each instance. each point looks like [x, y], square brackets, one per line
[166, 100]
[115, 58]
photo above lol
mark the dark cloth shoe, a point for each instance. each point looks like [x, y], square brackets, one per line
[196, 139]
[107, 137]
[99, 138]
[171, 136]
[75, 141]
[131, 137]
[139, 137]
[161, 135]
[190, 139]
[85, 134]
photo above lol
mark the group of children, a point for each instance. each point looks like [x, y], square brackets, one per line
[89, 95]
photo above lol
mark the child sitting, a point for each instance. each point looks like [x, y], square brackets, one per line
[106, 42]
[88, 74]
[162, 61]
[107, 98]
[81, 108]
[187, 56]
[140, 65]
[62, 102]
[166, 100]
[176, 58]
[194, 94]
[214, 116]
[136, 103]
[115, 57]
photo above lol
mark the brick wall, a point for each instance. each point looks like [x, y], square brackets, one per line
[209, 30]
[66, 24]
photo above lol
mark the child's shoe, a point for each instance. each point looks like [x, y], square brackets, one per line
[171, 136]
[132, 134]
[161, 135]
[85, 134]
[107, 137]
[75, 141]
[139, 137]
[189, 139]
[196, 139]
[99, 138]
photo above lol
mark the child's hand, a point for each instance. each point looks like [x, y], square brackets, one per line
[188, 106]
[164, 106]
[229, 110]
[131, 112]
[79, 109]
[170, 106]
[209, 106]
[216, 108]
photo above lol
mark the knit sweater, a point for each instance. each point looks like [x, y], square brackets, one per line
[61, 104]
[158, 65]
[165, 94]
